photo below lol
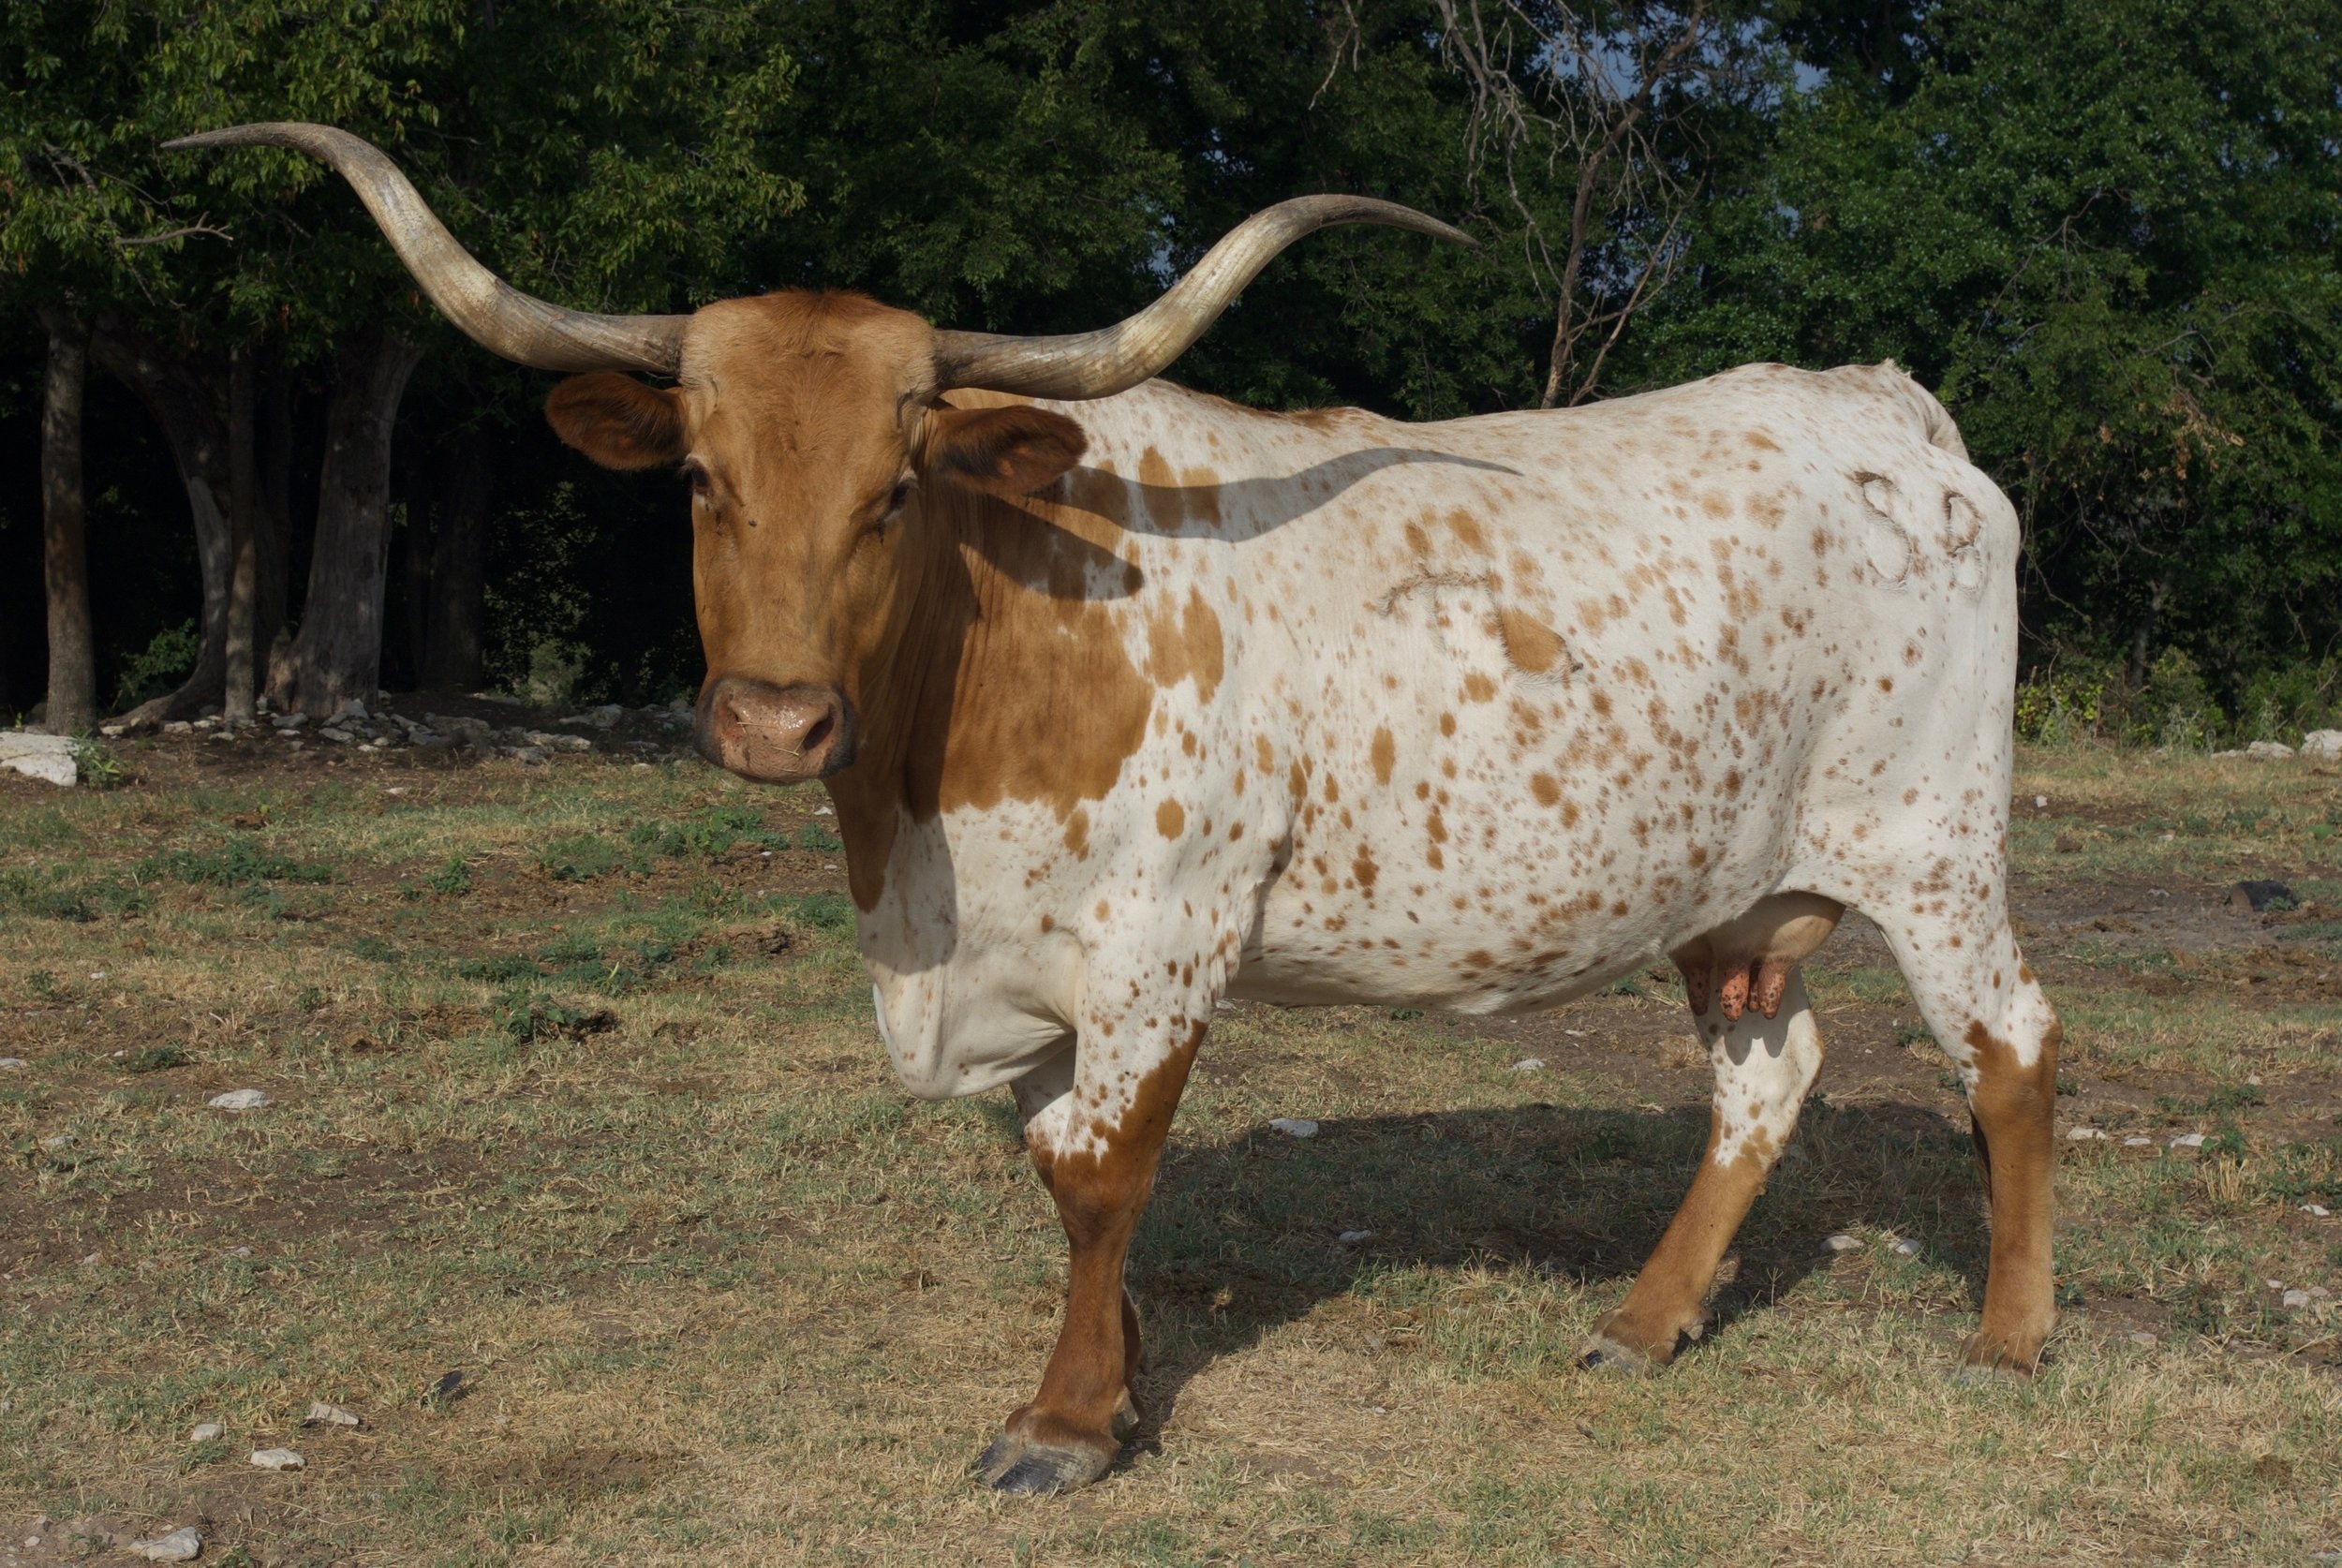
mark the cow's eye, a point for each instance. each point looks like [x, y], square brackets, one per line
[895, 498]
[695, 475]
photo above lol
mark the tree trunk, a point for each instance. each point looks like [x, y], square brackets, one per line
[64, 546]
[338, 656]
[459, 552]
[243, 576]
[272, 519]
[186, 405]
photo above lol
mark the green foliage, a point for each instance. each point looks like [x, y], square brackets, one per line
[2062, 704]
[579, 858]
[96, 764]
[160, 666]
[2105, 232]
[453, 880]
[2175, 708]
[239, 862]
[153, 1058]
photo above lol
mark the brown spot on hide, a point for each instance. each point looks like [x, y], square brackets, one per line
[1185, 646]
[1529, 643]
[1545, 788]
[1384, 753]
[1170, 817]
[1077, 834]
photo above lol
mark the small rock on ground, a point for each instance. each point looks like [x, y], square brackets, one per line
[9, 1064]
[239, 1100]
[1530, 1064]
[2140, 1337]
[2295, 1298]
[180, 1546]
[1907, 1247]
[276, 1458]
[2317, 1211]
[1293, 1127]
[322, 1414]
[1351, 1238]
[2087, 1134]
[207, 1431]
[2188, 1140]
[1843, 1243]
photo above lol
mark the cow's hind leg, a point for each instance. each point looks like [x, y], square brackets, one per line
[1095, 1121]
[1763, 1067]
[1986, 1011]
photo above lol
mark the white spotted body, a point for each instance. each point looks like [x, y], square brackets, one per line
[1503, 707]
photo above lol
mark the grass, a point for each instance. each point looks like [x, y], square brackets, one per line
[620, 1146]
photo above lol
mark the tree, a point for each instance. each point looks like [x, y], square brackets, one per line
[72, 702]
[2105, 232]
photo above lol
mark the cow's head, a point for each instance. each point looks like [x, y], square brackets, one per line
[807, 426]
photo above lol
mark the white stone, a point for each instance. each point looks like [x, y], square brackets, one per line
[180, 1546]
[239, 1099]
[322, 1414]
[1351, 1238]
[2325, 745]
[531, 754]
[1530, 1064]
[56, 1140]
[276, 1458]
[46, 757]
[352, 709]
[1293, 1127]
[2317, 1211]
[2137, 1143]
[2087, 1134]
[2188, 1140]
[2296, 1298]
[2041, 803]
[1843, 1243]
[1907, 1247]
[9, 1064]
[2268, 749]
[2143, 1339]
[207, 1431]
[825, 811]
[178, 727]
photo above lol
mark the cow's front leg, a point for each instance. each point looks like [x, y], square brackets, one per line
[1095, 1118]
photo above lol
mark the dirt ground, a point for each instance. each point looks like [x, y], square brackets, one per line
[574, 1100]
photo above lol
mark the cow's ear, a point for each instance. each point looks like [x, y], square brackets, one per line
[617, 421]
[1007, 452]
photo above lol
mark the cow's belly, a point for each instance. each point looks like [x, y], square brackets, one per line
[1506, 839]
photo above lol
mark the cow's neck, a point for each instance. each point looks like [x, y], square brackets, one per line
[1002, 675]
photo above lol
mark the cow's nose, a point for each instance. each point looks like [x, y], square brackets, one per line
[780, 734]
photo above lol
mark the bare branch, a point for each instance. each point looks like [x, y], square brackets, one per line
[131, 242]
[1557, 98]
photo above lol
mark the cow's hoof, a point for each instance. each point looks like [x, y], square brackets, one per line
[1039, 1468]
[1604, 1354]
[1990, 1358]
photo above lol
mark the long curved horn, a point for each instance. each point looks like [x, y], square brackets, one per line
[1115, 359]
[491, 312]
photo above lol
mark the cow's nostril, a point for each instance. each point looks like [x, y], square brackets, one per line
[818, 733]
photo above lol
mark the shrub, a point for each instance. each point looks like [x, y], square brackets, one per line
[160, 666]
[2063, 705]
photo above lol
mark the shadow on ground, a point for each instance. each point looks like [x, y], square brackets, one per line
[1243, 1237]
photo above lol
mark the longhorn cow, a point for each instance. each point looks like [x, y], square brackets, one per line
[1130, 699]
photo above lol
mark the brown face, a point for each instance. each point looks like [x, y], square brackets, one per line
[807, 426]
